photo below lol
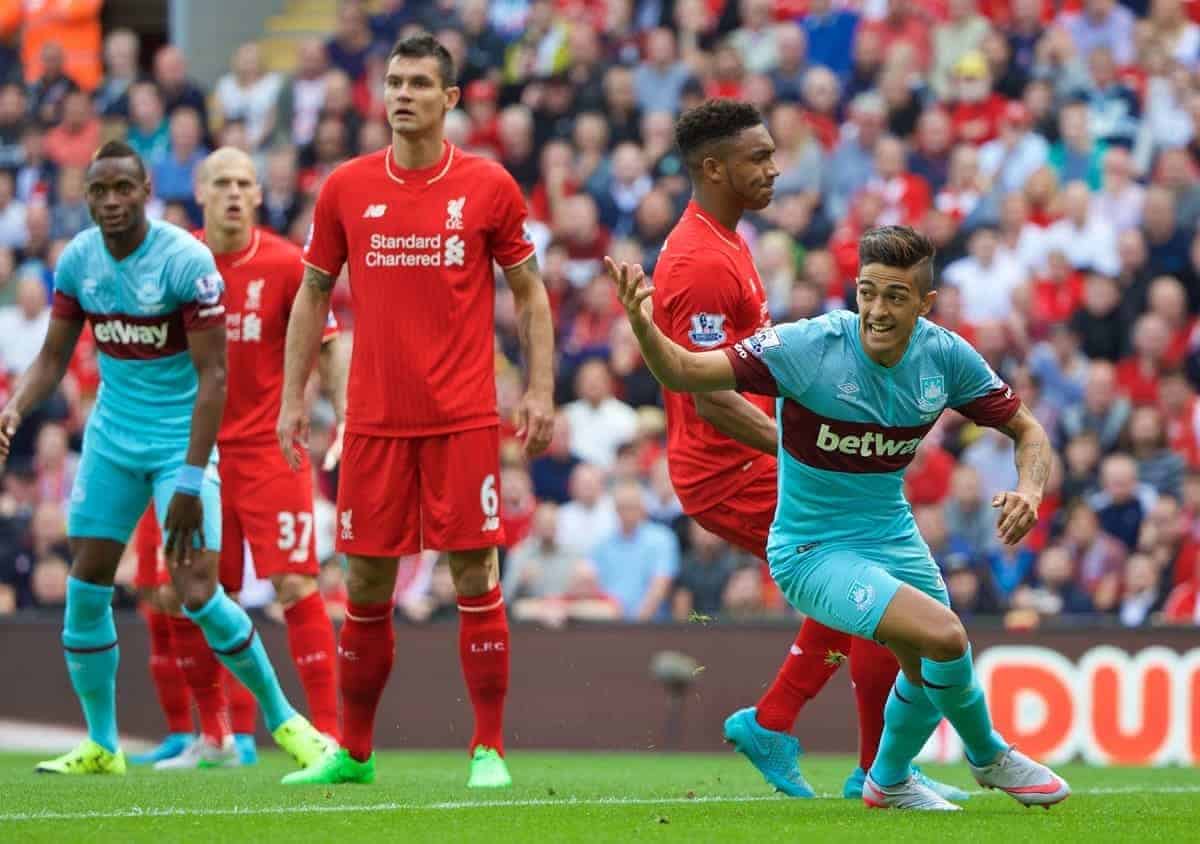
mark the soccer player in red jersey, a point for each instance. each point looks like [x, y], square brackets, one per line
[721, 446]
[419, 225]
[264, 503]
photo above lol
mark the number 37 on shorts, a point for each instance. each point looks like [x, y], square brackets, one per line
[399, 495]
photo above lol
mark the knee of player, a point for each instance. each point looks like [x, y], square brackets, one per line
[364, 585]
[290, 589]
[196, 594]
[947, 640]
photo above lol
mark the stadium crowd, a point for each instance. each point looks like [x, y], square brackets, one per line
[1050, 149]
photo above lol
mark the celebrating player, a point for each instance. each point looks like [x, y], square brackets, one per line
[264, 503]
[856, 394]
[419, 225]
[153, 296]
[721, 446]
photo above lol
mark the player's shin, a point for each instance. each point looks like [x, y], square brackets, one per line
[365, 654]
[203, 675]
[311, 640]
[954, 689]
[231, 635]
[873, 670]
[90, 641]
[814, 657]
[169, 682]
[909, 720]
[483, 647]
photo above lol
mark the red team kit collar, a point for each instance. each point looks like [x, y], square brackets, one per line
[430, 174]
[732, 238]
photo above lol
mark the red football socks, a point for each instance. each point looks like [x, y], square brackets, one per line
[483, 650]
[814, 657]
[873, 670]
[200, 667]
[169, 682]
[310, 637]
[365, 654]
[243, 708]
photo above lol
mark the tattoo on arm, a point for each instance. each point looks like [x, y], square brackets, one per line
[317, 280]
[1033, 447]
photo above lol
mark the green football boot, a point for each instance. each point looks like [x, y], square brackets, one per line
[488, 769]
[87, 758]
[334, 768]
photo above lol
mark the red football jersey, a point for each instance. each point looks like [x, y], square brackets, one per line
[707, 296]
[261, 282]
[420, 246]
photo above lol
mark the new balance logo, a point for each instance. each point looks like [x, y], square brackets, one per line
[374, 212]
[346, 521]
[491, 523]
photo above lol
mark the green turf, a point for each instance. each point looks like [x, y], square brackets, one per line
[569, 797]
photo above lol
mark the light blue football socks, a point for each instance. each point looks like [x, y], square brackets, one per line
[909, 719]
[90, 641]
[954, 689]
[231, 635]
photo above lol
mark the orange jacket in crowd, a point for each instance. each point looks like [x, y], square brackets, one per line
[75, 24]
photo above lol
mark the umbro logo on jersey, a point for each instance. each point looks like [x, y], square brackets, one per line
[374, 212]
[847, 390]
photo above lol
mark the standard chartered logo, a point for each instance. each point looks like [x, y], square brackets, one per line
[416, 251]
[870, 444]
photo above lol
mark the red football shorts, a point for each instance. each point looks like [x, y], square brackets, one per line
[744, 518]
[266, 504]
[147, 547]
[400, 495]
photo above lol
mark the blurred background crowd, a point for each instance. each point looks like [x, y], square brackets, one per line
[1050, 149]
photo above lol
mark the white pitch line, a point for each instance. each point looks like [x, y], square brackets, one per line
[238, 811]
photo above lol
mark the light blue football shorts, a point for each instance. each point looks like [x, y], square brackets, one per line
[116, 479]
[848, 587]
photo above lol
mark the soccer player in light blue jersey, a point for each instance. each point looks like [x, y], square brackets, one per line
[153, 297]
[856, 393]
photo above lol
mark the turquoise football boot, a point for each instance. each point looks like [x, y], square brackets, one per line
[774, 754]
[170, 747]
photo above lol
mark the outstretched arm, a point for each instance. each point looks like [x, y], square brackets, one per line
[305, 326]
[672, 365]
[39, 381]
[737, 417]
[1019, 508]
[535, 327]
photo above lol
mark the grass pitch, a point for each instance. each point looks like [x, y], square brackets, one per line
[570, 797]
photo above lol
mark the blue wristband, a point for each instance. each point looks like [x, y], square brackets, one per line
[189, 479]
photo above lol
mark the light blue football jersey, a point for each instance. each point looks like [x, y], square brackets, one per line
[849, 427]
[140, 310]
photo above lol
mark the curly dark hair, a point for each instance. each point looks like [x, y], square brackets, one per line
[901, 247]
[710, 123]
[423, 46]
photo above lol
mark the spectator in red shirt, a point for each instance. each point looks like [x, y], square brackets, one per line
[1138, 374]
[961, 193]
[902, 24]
[927, 481]
[977, 112]
[72, 142]
[557, 182]
[821, 94]
[1168, 299]
[1181, 413]
[905, 195]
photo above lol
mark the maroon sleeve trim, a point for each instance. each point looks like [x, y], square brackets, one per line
[197, 317]
[66, 307]
[992, 409]
[751, 374]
